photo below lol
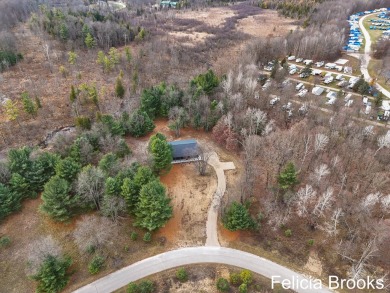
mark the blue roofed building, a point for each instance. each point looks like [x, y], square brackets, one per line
[184, 151]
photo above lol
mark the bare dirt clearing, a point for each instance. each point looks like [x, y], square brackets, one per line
[191, 195]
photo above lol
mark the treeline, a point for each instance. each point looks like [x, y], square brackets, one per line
[192, 107]
[293, 9]
[12, 12]
[104, 29]
[89, 172]
[324, 37]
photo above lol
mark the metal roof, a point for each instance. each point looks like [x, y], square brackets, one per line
[184, 148]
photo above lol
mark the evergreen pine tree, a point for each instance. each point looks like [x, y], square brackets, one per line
[161, 153]
[237, 217]
[9, 201]
[52, 275]
[57, 201]
[153, 209]
[28, 104]
[73, 95]
[89, 41]
[288, 177]
[119, 88]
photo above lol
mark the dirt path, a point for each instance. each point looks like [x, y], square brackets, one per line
[212, 217]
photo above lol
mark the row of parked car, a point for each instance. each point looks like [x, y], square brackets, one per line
[317, 64]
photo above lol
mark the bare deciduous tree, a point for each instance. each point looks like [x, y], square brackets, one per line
[369, 202]
[112, 206]
[303, 198]
[324, 202]
[331, 227]
[320, 172]
[39, 250]
[90, 185]
[202, 162]
[383, 142]
[358, 269]
[321, 141]
[94, 232]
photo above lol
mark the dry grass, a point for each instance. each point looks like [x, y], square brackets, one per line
[191, 195]
[267, 24]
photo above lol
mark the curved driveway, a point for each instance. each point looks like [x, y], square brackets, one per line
[212, 215]
[197, 255]
[210, 253]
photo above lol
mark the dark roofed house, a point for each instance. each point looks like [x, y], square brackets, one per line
[184, 150]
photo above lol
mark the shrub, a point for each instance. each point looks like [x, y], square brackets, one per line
[146, 287]
[182, 275]
[206, 82]
[237, 217]
[235, 279]
[132, 288]
[246, 276]
[96, 264]
[147, 237]
[143, 287]
[83, 122]
[310, 242]
[8, 59]
[288, 233]
[223, 285]
[134, 236]
[91, 249]
[139, 124]
[243, 288]
[114, 126]
[52, 275]
[122, 149]
[5, 241]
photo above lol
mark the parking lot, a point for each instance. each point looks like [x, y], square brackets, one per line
[332, 83]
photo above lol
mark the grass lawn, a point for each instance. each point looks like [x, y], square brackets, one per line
[374, 34]
[354, 63]
[373, 71]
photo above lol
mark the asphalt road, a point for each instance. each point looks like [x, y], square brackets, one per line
[196, 255]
